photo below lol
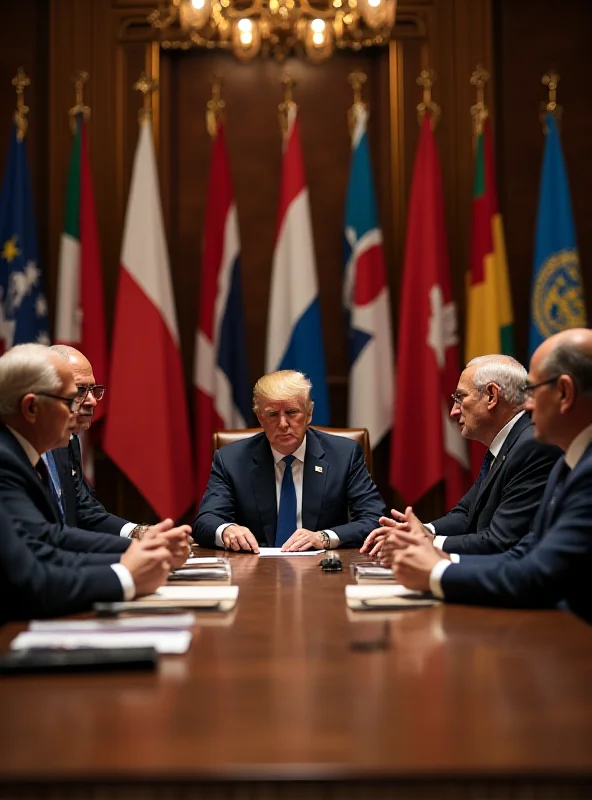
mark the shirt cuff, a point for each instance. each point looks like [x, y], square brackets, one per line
[334, 540]
[454, 557]
[430, 527]
[126, 580]
[219, 531]
[436, 577]
[439, 541]
[127, 529]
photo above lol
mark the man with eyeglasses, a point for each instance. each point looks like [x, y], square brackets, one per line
[551, 566]
[79, 504]
[498, 510]
[290, 486]
[38, 403]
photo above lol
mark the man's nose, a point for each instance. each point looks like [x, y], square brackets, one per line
[283, 419]
[90, 400]
[455, 411]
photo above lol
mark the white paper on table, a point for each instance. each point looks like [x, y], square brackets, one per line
[202, 561]
[277, 551]
[393, 593]
[152, 622]
[162, 641]
[193, 593]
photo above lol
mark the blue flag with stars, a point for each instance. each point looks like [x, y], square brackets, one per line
[557, 300]
[23, 305]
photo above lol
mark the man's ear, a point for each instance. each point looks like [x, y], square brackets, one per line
[492, 390]
[567, 388]
[28, 407]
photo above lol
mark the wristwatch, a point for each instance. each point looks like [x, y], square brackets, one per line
[139, 531]
[326, 540]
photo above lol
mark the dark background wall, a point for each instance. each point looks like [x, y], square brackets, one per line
[518, 40]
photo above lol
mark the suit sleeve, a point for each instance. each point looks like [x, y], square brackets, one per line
[92, 515]
[524, 484]
[217, 506]
[364, 503]
[33, 588]
[456, 521]
[549, 569]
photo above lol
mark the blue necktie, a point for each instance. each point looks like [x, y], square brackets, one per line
[55, 486]
[484, 471]
[286, 521]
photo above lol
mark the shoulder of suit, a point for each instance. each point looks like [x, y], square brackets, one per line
[243, 445]
[333, 439]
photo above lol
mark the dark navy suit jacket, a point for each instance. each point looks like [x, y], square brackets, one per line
[494, 516]
[550, 566]
[26, 500]
[81, 508]
[31, 587]
[337, 491]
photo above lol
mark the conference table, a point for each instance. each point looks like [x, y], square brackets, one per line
[291, 695]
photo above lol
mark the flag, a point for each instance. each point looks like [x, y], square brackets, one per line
[23, 304]
[80, 312]
[221, 381]
[366, 299]
[427, 447]
[147, 427]
[294, 334]
[557, 299]
[490, 321]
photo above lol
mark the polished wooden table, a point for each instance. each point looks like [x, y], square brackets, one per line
[289, 696]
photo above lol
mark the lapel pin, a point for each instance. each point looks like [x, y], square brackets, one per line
[73, 472]
[318, 469]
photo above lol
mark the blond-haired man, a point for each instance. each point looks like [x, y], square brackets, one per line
[290, 486]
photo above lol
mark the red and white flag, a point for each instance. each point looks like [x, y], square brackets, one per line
[220, 374]
[147, 428]
[427, 446]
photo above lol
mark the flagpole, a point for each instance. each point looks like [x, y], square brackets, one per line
[551, 80]
[287, 107]
[147, 87]
[79, 80]
[20, 80]
[215, 106]
[479, 111]
[357, 80]
[426, 79]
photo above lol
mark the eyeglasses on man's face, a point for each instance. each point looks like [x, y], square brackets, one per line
[97, 391]
[528, 389]
[74, 403]
[458, 397]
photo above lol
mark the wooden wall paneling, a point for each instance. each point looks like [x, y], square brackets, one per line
[526, 46]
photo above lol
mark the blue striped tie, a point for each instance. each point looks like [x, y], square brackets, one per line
[55, 486]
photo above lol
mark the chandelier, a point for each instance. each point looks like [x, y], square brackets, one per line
[315, 28]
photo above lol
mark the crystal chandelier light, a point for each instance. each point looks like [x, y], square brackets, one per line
[315, 28]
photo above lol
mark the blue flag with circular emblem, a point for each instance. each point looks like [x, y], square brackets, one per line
[557, 300]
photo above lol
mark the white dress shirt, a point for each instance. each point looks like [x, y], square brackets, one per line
[298, 476]
[572, 455]
[122, 572]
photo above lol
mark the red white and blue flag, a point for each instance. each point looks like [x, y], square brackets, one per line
[366, 299]
[220, 373]
[294, 334]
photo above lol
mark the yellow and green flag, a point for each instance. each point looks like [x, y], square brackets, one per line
[490, 321]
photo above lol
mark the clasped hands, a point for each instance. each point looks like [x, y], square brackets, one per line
[237, 537]
[405, 545]
[162, 548]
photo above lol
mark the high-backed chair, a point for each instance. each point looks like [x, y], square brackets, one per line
[222, 438]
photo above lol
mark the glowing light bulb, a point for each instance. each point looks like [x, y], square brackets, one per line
[198, 4]
[317, 26]
[374, 3]
[245, 25]
[246, 38]
[318, 39]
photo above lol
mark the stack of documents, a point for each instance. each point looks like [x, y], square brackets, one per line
[205, 571]
[385, 597]
[266, 552]
[212, 598]
[165, 633]
[372, 573]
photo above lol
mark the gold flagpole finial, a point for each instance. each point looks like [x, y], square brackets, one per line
[215, 107]
[79, 79]
[147, 87]
[479, 112]
[357, 80]
[551, 79]
[427, 78]
[20, 80]
[288, 103]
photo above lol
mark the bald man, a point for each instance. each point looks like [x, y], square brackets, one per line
[79, 506]
[552, 565]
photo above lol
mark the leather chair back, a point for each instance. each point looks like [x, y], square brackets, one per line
[360, 435]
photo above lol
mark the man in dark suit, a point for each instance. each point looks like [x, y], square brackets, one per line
[499, 508]
[38, 403]
[289, 486]
[552, 565]
[34, 587]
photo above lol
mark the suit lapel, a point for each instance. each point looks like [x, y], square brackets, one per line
[262, 473]
[313, 481]
[511, 439]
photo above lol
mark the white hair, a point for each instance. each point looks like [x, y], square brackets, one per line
[25, 368]
[505, 372]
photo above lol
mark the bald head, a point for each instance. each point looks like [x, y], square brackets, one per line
[568, 353]
[82, 370]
